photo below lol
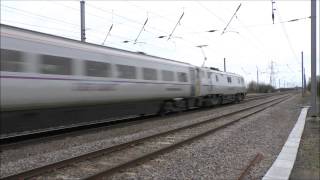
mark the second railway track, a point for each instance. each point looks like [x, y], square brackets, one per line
[105, 162]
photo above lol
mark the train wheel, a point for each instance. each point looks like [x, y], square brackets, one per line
[183, 105]
[208, 102]
[187, 104]
[242, 97]
[198, 102]
[166, 108]
[237, 98]
[220, 101]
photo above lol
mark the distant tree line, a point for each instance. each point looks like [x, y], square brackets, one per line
[253, 87]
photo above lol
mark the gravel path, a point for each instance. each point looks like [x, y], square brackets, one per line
[225, 154]
[38, 154]
[307, 165]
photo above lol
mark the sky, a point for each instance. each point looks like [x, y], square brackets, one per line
[251, 41]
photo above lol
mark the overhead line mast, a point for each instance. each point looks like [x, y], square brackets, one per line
[82, 19]
[273, 9]
[302, 72]
[272, 74]
[314, 108]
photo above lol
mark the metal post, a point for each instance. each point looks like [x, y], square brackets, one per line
[257, 79]
[302, 87]
[313, 58]
[273, 9]
[272, 75]
[224, 63]
[304, 80]
[82, 16]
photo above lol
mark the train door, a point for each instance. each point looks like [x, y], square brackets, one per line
[198, 82]
[195, 81]
[210, 82]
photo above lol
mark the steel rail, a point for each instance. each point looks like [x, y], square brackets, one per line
[60, 164]
[254, 161]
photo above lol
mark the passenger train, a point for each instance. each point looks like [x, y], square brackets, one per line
[46, 73]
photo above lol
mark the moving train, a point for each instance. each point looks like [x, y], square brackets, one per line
[43, 74]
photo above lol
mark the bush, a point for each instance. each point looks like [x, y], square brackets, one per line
[253, 87]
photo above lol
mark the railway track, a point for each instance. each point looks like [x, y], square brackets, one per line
[254, 161]
[7, 141]
[105, 162]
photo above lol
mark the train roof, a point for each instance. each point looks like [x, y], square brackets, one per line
[216, 70]
[87, 43]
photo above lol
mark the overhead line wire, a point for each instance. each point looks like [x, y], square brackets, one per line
[128, 19]
[112, 25]
[234, 14]
[176, 26]
[288, 39]
[282, 22]
[54, 28]
[143, 27]
[75, 9]
[34, 14]
[61, 21]
[262, 46]
[161, 16]
[207, 9]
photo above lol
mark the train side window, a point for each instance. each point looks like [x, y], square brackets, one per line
[167, 75]
[238, 80]
[217, 78]
[229, 79]
[55, 65]
[209, 74]
[149, 74]
[126, 72]
[97, 69]
[11, 60]
[182, 77]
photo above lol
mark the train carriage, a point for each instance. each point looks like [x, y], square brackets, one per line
[44, 75]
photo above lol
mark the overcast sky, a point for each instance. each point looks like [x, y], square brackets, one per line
[251, 40]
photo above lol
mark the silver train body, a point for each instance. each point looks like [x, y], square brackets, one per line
[41, 71]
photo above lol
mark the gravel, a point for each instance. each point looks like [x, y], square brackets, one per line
[225, 154]
[38, 154]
